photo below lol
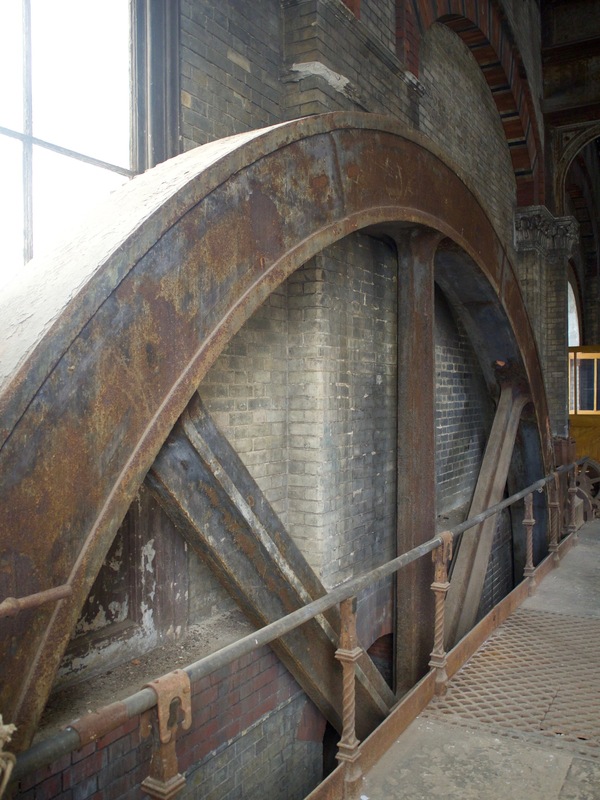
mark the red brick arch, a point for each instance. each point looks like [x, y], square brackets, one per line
[482, 27]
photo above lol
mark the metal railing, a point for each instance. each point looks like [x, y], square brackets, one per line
[176, 685]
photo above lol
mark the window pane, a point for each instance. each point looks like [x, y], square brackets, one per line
[571, 384]
[573, 318]
[80, 64]
[11, 64]
[64, 191]
[585, 373]
[11, 208]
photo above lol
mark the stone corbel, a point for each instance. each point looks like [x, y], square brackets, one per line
[537, 229]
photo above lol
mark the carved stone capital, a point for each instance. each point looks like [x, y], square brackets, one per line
[537, 229]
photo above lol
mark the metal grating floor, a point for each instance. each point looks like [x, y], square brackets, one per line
[537, 676]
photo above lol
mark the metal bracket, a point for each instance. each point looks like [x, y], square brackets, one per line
[441, 556]
[173, 686]
[165, 780]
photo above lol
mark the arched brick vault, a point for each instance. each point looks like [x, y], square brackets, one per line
[108, 340]
[568, 146]
[484, 31]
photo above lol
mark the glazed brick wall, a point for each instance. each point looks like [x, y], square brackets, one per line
[306, 394]
[246, 392]
[230, 68]
[251, 725]
[251, 731]
[113, 767]
[458, 113]
[342, 385]
[462, 412]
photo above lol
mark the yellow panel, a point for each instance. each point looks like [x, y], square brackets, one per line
[586, 432]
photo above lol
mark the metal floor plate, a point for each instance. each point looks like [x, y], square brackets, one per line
[538, 676]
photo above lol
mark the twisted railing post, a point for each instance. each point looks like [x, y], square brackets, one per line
[348, 653]
[528, 523]
[438, 660]
[554, 505]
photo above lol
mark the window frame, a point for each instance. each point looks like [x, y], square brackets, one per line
[576, 354]
[155, 75]
[154, 102]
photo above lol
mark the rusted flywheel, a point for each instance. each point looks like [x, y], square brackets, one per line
[107, 340]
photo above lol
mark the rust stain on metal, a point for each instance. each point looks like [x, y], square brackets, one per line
[319, 182]
[175, 686]
[11, 606]
[164, 780]
[97, 724]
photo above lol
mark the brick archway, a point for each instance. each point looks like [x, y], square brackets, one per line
[568, 144]
[112, 335]
[484, 31]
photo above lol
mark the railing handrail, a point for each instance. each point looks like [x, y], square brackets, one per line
[533, 487]
[104, 720]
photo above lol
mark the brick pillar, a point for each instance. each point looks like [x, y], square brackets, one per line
[416, 450]
[544, 244]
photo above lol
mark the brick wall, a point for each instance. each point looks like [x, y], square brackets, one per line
[458, 113]
[451, 103]
[556, 343]
[253, 730]
[306, 394]
[375, 612]
[462, 410]
[230, 68]
[379, 18]
[531, 281]
[499, 578]
[252, 726]
[111, 767]
[246, 392]
[342, 398]
[373, 79]
[359, 435]
[234, 59]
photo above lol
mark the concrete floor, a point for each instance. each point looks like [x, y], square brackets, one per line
[449, 752]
